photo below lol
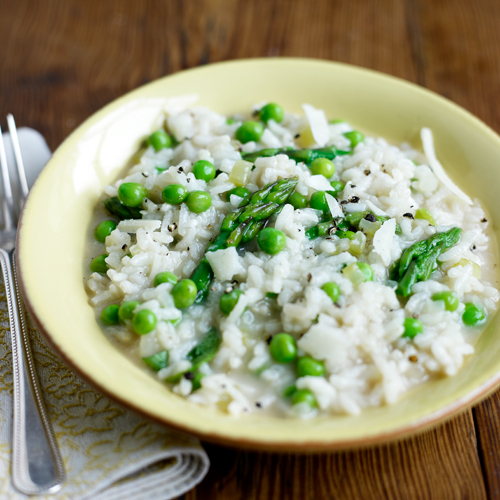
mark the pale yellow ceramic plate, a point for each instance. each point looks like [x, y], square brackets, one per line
[56, 219]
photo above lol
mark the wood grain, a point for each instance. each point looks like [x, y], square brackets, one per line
[63, 60]
[437, 464]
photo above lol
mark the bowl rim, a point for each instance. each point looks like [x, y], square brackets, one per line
[418, 425]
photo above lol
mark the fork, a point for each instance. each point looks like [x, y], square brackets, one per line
[36, 462]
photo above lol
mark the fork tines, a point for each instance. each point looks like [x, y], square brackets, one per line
[9, 212]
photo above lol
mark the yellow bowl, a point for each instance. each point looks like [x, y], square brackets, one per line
[56, 219]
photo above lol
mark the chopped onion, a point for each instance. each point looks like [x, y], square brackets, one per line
[354, 273]
[476, 268]
[357, 244]
[368, 227]
[240, 172]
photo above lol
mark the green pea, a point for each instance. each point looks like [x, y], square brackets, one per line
[304, 396]
[450, 300]
[240, 191]
[271, 295]
[198, 201]
[366, 269]
[473, 315]
[204, 170]
[337, 187]
[103, 230]
[228, 301]
[308, 366]
[98, 265]
[144, 322]
[161, 169]
[165, 277]
[157, 361]
[159, 140]
[230, 121]
[355, 137]
[283, 348]
[174, 194]
[412, 327]
[272, 111]
[249, 131]
[271, 241]
[332, 290]
[322, 166]
[184, 293]
[131, 194]
[289, 391]
[337, 120]
[423, 213]
[109, 315]
[127, 310]
[298, 201]
[318, 201]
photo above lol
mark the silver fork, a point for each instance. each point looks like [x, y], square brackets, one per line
[36, 462]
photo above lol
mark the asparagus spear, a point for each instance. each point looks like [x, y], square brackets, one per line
[114, 207]
[157, 361]
[410, 254]
[218, 243]
[230, 222]
[242, 225]
[419, 260]
[203, 352]
[236, 236]
[448, 239]
[298, 155]
[206, 349]
[259, 212]
[258, 196]
[203, 274]
[252, 229]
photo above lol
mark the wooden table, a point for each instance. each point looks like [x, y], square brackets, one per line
[61, 60]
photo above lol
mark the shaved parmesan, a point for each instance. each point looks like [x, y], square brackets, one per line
[325, 343]
[428, 146]
[318, 182]
[318, 123]
[334, 207]
[225, 263]
[382, 241]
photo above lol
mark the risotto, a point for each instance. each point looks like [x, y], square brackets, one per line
[282, 263]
